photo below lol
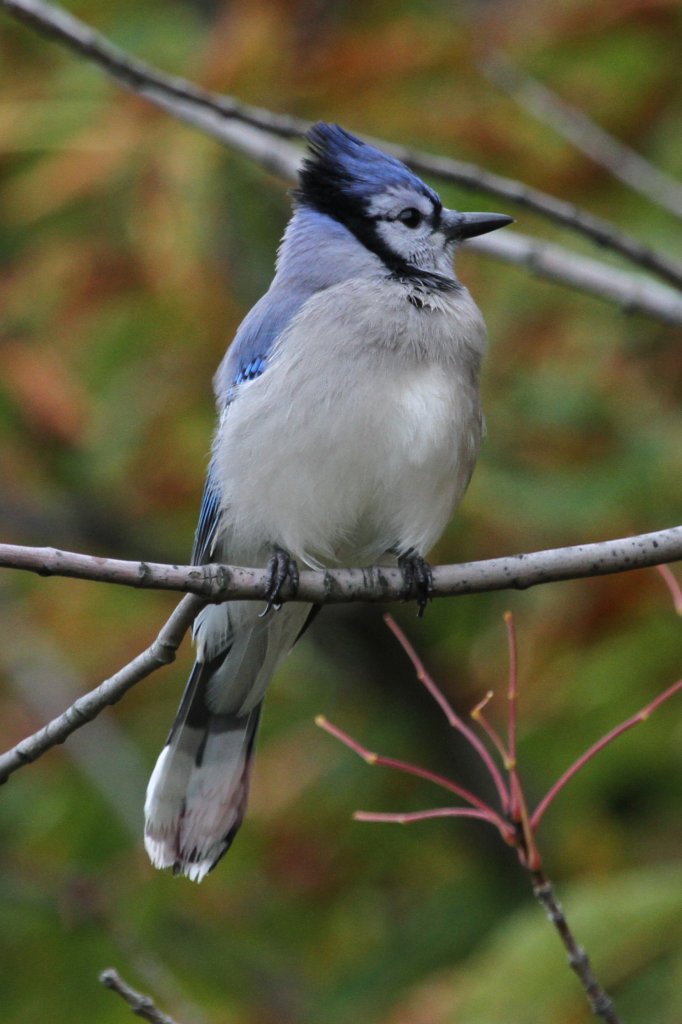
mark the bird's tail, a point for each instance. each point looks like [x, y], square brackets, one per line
[198, 791]
[197, 794]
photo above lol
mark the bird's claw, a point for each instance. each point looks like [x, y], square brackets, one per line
[280, 568]
[417, 580]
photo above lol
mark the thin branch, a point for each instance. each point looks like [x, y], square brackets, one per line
[218, 583]
[518, 807]
[599, 1000]
[375, 583]
[573, 124]
[251, 130]
[378, 759]
[494, 737]
[512, 692]
[161, 652]
[141, 1005]
[451, 715]
[632, 294]
[46, 681]
[56, 23]
[585, 758]
[411, 817]
[518, 828]
[673, 586]
[371, 758]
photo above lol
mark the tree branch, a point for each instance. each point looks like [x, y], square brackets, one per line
[573, 124]
[43, 678]
[250, 129]
[375, 583]
[557, 264]
[222, 582]
[161, 652]
[56, 23]
[600, 1002]
[141, 1005]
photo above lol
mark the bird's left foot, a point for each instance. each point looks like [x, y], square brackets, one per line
[280, 568]
[417, 579]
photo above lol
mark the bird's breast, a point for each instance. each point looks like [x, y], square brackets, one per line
[355, 440]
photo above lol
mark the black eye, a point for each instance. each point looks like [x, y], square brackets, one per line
[410, 217]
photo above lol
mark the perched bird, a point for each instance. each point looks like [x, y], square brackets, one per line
[349, 428]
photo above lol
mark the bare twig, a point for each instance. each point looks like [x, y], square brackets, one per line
[55, 22]
[599, 1000]
[673, 586]
[485, 811]
[554, 263]
[412, 817]
[515, 825]
[161, 652]
[141, 1005]
[640, 716]
[375, 583]
[512, 692]
[218, 582]
[45, 680]
[574, 124]
[251, 130]
[451, 715]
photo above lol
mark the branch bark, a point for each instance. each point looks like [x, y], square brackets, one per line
[600, 1002]
[141, 1005]
[574, 125]
[375, 583]
[161, 652]
[561, 266]
[262, 134]
[222, 582]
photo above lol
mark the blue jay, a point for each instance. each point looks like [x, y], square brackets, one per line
[349, 427]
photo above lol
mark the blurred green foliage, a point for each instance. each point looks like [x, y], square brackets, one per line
[130, 248]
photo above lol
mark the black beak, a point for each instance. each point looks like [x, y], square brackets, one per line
[468, 225]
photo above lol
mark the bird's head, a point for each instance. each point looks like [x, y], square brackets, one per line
[391, 211]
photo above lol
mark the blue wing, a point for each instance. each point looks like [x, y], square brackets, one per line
[248, 354]
[246, 359]
[209, 517]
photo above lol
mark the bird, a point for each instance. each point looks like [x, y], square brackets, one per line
[349, 423]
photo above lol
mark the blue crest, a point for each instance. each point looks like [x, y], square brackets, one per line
[342, 173]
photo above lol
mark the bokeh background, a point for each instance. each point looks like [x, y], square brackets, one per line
[130, 248]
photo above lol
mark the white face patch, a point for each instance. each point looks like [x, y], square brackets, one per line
[390, 202]
[407, 224]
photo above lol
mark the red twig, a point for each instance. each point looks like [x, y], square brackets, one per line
[411, 769]
[490, 731]
[641, 716]
[513, 690]
[453, 718]
[673, 586]
[518, 828]
[409, 817]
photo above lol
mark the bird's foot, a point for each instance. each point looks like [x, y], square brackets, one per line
[417, 579]
[280, 568]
